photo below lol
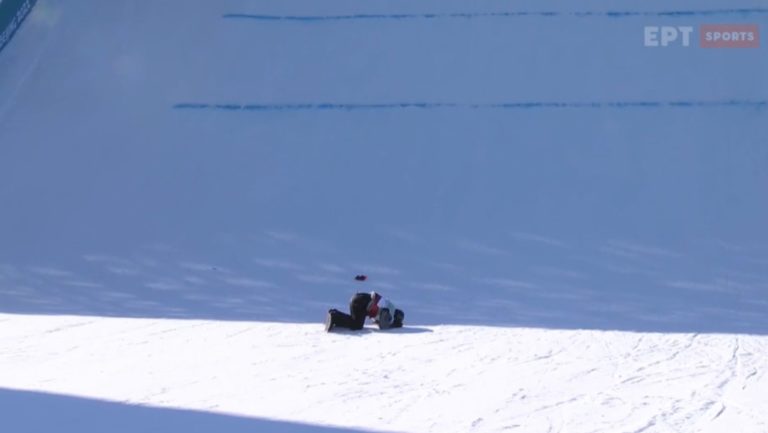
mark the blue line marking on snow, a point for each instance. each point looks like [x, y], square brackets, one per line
[522, 105]
[459, 15]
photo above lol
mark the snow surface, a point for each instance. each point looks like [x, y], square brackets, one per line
[573, 223]
[251, 376]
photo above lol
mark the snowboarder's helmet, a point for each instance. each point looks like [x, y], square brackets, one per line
[375, 296]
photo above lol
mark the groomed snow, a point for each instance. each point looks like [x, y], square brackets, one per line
[289, 378]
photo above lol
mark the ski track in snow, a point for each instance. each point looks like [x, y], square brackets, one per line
[436, 379]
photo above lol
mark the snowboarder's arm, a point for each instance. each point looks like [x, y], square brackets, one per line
[384, 319]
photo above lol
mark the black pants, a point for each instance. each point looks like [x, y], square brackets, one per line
[358, 309]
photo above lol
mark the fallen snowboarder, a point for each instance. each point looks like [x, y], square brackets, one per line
[362, 305]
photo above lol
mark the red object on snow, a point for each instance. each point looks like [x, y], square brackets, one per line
[361, 277]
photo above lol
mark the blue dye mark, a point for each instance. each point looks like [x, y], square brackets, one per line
[521, 105]
[191, 106]
[233, 107]
[431, 16]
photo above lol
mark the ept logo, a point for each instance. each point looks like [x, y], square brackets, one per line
[710, 36]
[664, 36]
[729, 36]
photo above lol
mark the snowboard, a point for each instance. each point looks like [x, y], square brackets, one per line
[328, 322]
[329, 326]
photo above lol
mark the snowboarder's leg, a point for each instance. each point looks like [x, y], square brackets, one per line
[340, 320]
[358, 309]
[357, 321]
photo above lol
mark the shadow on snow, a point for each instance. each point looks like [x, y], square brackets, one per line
[35, 412]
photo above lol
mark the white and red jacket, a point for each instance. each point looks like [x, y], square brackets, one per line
[379, 304]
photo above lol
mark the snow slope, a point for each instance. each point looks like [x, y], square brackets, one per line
[539, 191]
[284, 377]
[118, 195]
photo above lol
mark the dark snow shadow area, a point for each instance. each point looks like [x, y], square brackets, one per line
[35, 412]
